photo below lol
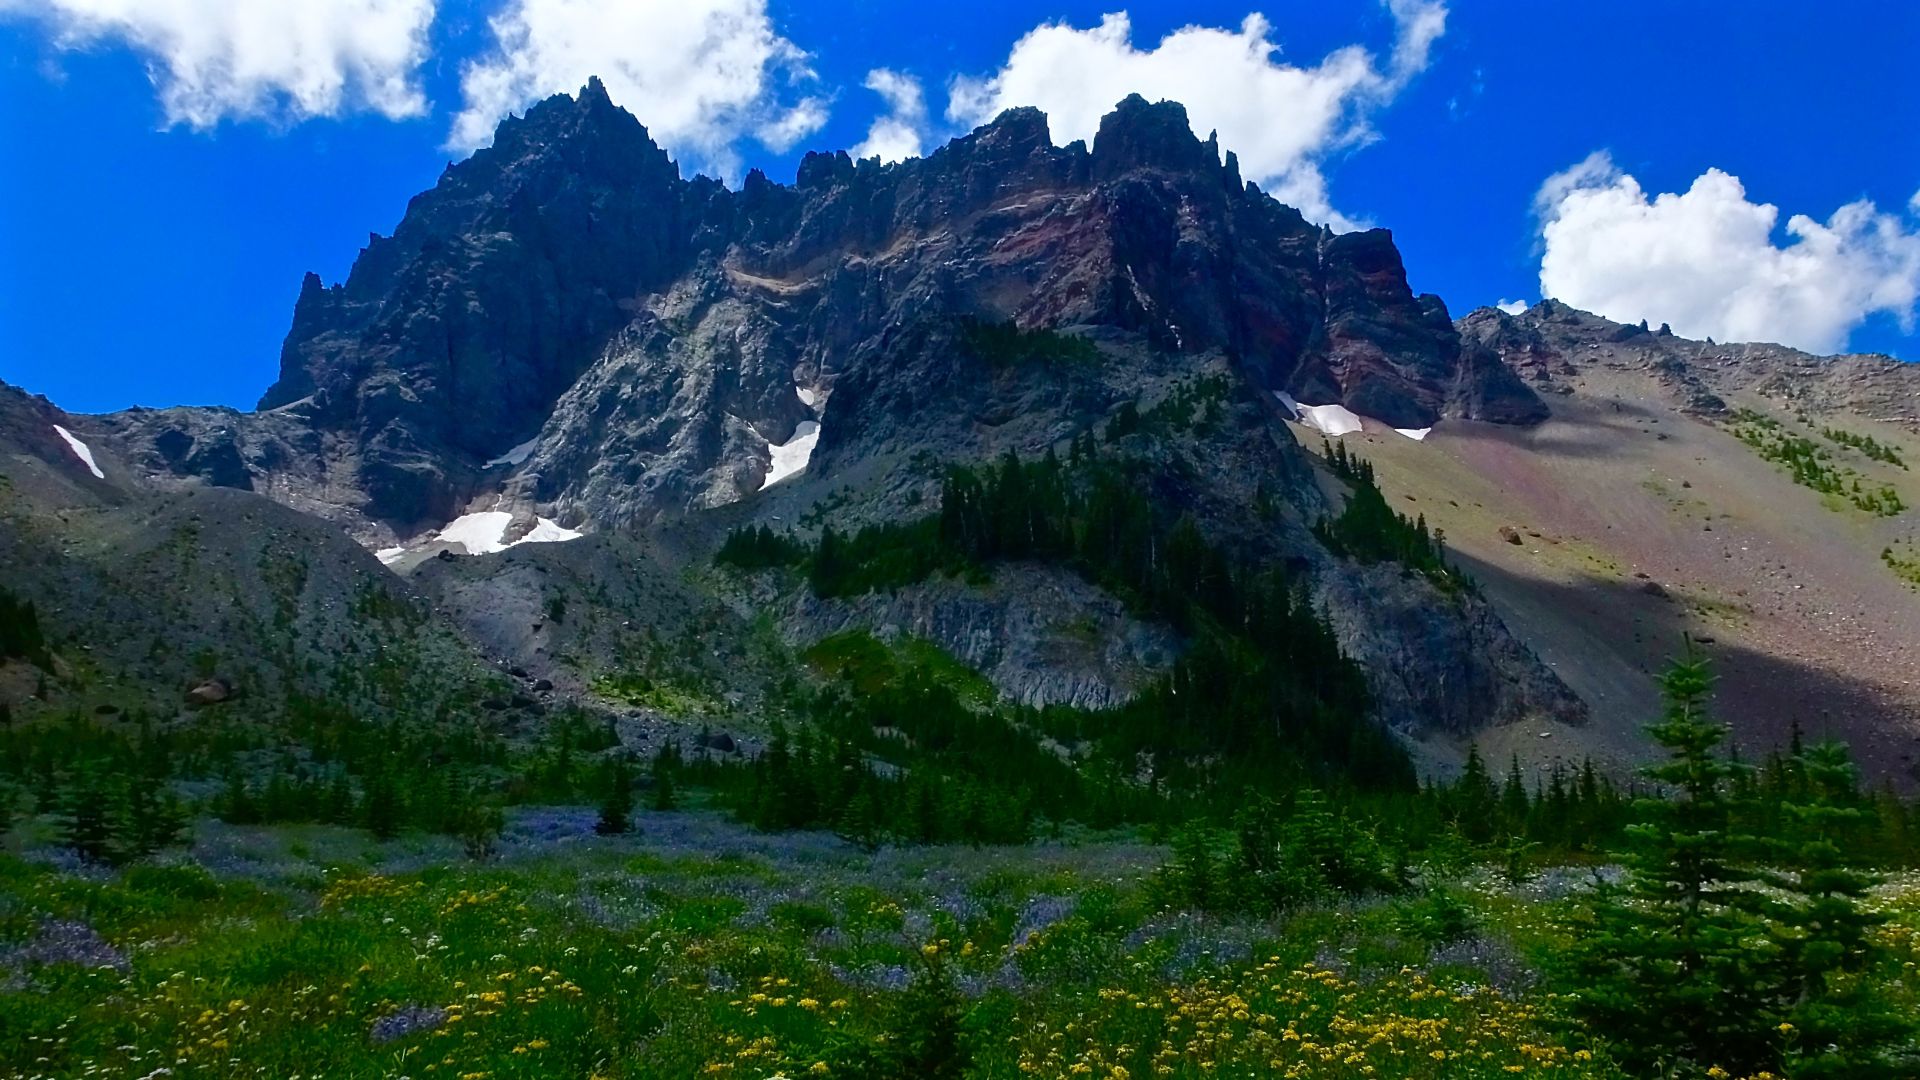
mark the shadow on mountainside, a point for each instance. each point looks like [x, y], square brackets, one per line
[1610, 639]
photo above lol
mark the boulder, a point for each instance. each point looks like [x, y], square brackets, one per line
[211, 692]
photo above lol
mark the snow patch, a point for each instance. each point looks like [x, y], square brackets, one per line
[485, 532]
[515, 456]
[80, 450]
[391, 555]
[1334, 420]
[1417, 434]
[481, 533]
[548, 532]
[807, 397]
[792, 456]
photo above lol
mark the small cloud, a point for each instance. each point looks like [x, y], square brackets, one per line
[1512, 307]
[1281, 120]
[258, 60]
[785, 130]
[701, 74]
[897, 134]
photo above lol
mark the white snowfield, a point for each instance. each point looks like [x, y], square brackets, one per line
[80, 450]
[792, 456]
[479, 533]
[806, 396]
[1334, 420]
[516, 455]
[1337, 420]
[485, 532]
[391, 555]
[1331, 420]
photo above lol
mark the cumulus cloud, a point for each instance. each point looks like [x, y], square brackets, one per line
[1706, 261]
[212, 60]
[1512, 307]
[895, 135]
[1283, 121]
[701, 74]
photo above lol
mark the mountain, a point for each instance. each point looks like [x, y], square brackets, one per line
[1686, 486]
[647, 332]
[571, 374]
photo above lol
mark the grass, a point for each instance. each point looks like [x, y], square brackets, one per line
[872, 665]
[1904, 560]
[699, 949]
[646, 959]
[661, 695]
[1811, 466]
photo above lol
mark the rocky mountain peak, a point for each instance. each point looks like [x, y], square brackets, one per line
[1138, 134]
[516, 296]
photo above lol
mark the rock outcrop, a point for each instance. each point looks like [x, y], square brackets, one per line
[1551, 340]
[568, 285]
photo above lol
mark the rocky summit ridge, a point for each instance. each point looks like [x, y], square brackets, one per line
[647, 331]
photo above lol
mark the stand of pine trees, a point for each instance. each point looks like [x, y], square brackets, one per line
[20, 636]
[1370, 531]
[1263, 694]
[1731, 949]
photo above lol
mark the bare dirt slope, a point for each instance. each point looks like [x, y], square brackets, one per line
[1640, 517]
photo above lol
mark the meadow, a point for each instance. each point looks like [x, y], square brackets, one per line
[695, 947]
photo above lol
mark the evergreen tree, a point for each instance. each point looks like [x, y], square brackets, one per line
[382, 811]
[860, 821]
[1476, 802]
[665, 763]
[616, 807]
[1841, 1022]
[153, 818]
[86, 817]
[1514, 806]
[1668, 967]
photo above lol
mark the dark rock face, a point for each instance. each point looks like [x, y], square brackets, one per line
[453, 337]
[568, 282]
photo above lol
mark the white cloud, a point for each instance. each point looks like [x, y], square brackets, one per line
[212, 60]
[895, 135]
[1512, 307]
[1281, 120]
[1705, 260]
[701, 74]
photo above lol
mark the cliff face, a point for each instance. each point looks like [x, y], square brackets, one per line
[568, 284]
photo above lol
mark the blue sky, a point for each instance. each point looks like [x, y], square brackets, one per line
[156, 213]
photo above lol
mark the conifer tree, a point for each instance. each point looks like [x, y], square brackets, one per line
[1476, 802]
[1668, 967]
[616, 807]
[1513, 800]
[1841, 1023]
[860, 821]
[381, 810]
[86, 817]
[665, 764]
[153, 818]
